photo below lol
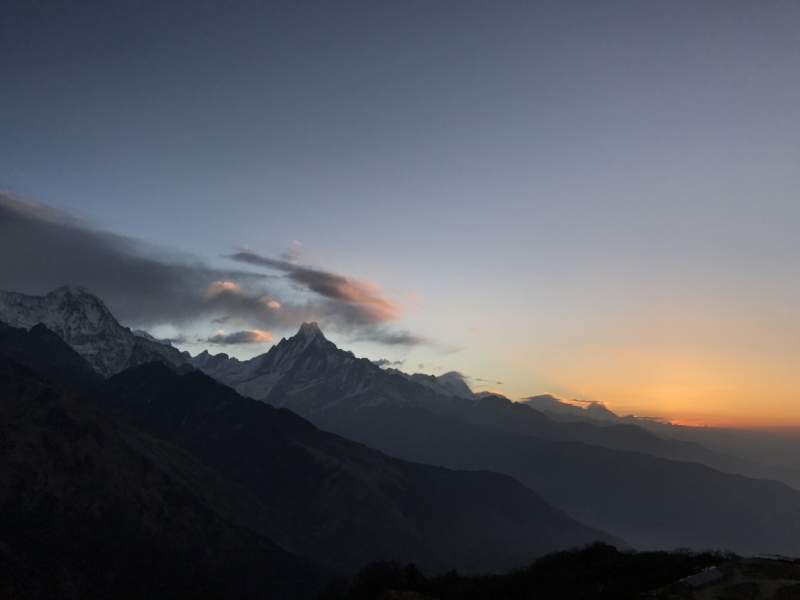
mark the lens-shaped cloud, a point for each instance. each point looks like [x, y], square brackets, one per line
[248, 336]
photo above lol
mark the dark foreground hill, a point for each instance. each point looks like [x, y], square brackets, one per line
[356, 504]
[650, 502]
[596, 572]
[93, 508]
[50, 357]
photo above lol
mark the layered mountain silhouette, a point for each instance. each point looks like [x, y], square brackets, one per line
[650, 491]
[597, 425]
[326, 497]
[648, 501]
[274, 378]
[762, 454]
[91, 507]
[83, 321]
[356, 504]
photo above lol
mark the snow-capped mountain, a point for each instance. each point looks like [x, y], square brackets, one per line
[306, 359]
[85, 323]
[558, 410]
[448, 384]
[309, 375]
[143, 334]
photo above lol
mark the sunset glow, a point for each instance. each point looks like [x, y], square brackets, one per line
[432, 299]
[535, 194]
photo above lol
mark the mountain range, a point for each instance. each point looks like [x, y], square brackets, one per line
[765, 454]
[354, 504]
[309, 493]
[273, 378]
[84, 322]
[593, 473]
[613, 477]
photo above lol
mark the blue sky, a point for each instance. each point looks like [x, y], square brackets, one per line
[596, 199]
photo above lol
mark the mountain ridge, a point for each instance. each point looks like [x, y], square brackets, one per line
[83, 321]
[94, 508]
[356, 503]
[353, 397]
[260, 378]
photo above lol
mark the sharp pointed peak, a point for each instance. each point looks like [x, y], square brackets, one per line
[67, 291]
[64, 290]
[310, 330]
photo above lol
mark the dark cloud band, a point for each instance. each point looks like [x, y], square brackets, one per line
[42, 248]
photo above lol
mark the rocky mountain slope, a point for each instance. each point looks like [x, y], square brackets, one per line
[356, 504]
[651, 502]
[85, 323]
[587, 470]
[93, 508]
[311, 376]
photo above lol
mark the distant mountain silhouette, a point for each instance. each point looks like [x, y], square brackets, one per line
[86, 324]
[648, 501]
[309, 375]
[758, 454]
[500, 413]
[50, 357]
[356, 504]
[587, 470]
[652, 503]
[93, 508]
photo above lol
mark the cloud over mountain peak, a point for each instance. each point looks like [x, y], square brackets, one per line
[42, 247]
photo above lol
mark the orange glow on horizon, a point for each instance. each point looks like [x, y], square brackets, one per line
[740, 390]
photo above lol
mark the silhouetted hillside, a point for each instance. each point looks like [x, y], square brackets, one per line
[357, 504]
[596, 572]
[308, 374]
[650, 502]
[47, 355]
[92, 508]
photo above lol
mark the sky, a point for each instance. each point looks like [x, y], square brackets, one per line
[593, 199]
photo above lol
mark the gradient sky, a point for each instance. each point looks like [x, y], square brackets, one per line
[596, 199]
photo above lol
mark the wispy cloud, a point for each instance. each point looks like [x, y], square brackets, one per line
[485, 382]
[248, 336]
[42, 247]
[394, 338]
[353, 304]
[364, 299]
[385, 362]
